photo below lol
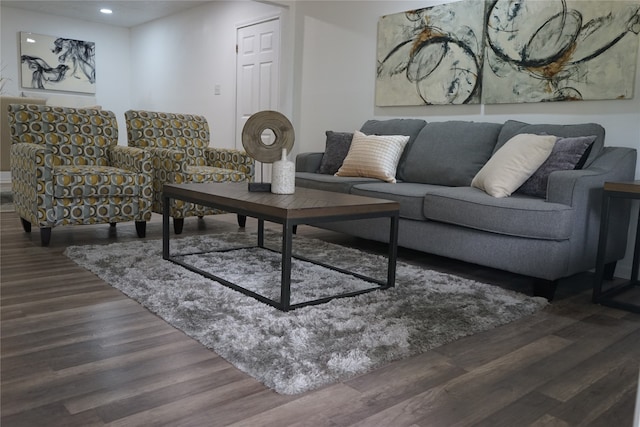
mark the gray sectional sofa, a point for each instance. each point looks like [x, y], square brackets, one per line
[546, 238]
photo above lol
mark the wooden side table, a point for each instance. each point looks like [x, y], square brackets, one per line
[626, 295]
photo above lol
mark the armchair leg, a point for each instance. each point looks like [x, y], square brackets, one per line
[45, 236]
[26, 225]
[112, 224]
[141, 228]
[45, 232]
[178, 224]
[242, 220]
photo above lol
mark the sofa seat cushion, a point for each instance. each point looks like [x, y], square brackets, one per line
[449, 153]
[518, 215]
[213, 174]
[94, 181]
[409, 195]
[339, 184]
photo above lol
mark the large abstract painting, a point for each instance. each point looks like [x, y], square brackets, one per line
[508, 51]
[431, 55]
[57, 63]
[560, 50]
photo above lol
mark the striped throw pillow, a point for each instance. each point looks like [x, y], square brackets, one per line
[373, 156]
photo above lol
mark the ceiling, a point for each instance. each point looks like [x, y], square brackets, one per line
[125, 13]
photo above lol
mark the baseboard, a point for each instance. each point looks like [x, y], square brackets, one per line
[5, 177]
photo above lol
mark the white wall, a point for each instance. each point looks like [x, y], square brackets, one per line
[177, 61]
[113, 66]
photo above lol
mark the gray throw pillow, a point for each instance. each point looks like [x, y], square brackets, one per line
[513, 127]
[336, 149]
[567, 154]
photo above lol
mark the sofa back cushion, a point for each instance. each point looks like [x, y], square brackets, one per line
[449, 153]
[513, 127]
[408, 127]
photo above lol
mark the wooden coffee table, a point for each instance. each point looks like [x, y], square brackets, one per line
[305, 206]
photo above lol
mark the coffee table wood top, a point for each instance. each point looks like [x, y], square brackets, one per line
[632, 187]
[304, 203]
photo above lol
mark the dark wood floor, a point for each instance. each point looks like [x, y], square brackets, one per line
[76, 352]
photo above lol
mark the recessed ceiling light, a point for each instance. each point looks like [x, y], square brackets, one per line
[106, 11]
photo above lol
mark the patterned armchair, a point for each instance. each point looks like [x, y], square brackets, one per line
[66, 168]
[181, 154]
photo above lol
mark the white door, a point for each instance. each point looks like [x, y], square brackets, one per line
[257, 72]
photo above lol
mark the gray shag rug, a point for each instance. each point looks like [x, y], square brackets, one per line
[292, 352]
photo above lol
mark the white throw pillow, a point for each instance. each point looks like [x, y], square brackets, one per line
[513, 164]
[373, 156]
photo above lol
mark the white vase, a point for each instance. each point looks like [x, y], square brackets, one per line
[283, 175]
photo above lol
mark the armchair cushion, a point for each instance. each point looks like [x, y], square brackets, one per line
[95, 181]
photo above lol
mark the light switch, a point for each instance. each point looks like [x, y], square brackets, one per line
[216, 90]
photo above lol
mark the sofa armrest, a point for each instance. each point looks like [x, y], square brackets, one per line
[229, 158]
[582, 190]
[613, 164]
[308, 162]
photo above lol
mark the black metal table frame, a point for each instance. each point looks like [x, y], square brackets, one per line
[287, 240]
[607, 297]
